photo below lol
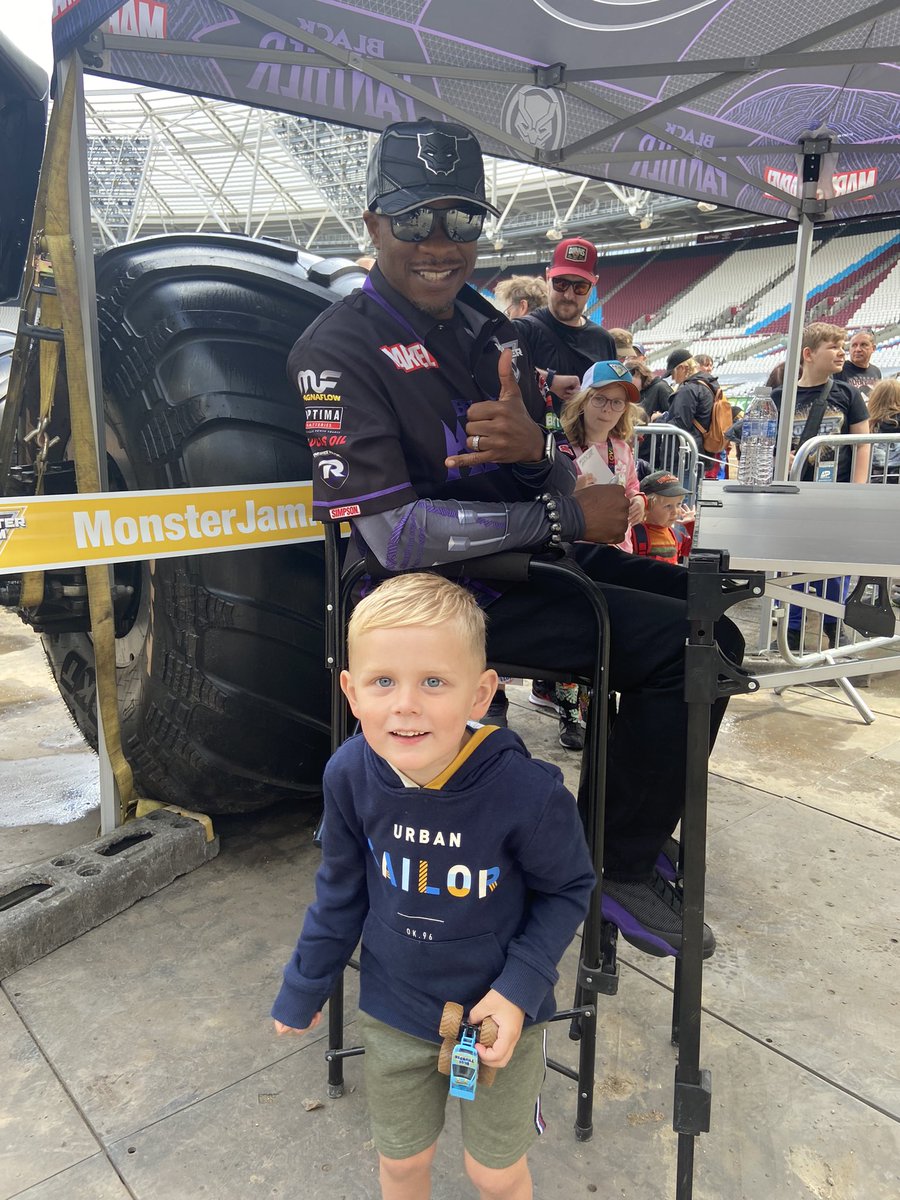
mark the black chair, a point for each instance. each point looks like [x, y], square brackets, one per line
[597, 967]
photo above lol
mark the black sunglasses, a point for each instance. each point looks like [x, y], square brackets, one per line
[460, 224]
[580, 288]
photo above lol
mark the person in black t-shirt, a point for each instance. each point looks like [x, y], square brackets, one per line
[426, 427]
[562, 342]
[859, 370]
[822, 350]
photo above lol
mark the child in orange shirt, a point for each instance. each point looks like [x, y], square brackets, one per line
[667, 530]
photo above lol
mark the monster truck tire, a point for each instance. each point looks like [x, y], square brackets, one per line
[220, 658]
[451, 1019]
[489, 1030]
[445, 1056]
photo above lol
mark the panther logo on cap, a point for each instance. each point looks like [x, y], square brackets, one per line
[438, 151]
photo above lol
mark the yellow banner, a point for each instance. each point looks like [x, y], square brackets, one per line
[41, 532]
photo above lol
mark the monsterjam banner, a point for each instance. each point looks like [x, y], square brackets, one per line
[731, 85]
[43, 532]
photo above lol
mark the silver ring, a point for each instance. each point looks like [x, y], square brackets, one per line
[476, 442]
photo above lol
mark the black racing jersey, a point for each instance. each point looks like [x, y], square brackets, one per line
[567, 349]
[387, 387]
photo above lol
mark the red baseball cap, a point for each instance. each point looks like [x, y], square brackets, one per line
[574, 256]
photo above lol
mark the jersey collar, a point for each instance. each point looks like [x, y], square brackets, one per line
[477, 311]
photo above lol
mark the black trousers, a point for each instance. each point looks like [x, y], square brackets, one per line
[555, 630]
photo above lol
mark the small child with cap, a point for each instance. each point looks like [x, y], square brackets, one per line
[667, 530]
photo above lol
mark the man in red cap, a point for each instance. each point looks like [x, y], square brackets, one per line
[561, 340]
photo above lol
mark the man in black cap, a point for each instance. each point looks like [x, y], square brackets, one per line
[426, 428]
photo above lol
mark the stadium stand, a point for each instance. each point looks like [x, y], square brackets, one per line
[732, 300]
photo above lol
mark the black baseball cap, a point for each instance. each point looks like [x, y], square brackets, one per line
[662, 483]
[676, 358]
[419, 162]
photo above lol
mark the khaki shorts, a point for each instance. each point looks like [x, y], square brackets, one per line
[407, 1097]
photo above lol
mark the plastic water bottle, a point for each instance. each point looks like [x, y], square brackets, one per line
[759, 431]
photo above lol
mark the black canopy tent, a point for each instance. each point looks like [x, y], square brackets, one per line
[705, 99]
[698, 98]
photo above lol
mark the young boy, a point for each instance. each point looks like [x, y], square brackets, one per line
[462, 863]
[666, 531]
[822, 350]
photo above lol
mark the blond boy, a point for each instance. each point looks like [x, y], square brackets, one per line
[461, 862]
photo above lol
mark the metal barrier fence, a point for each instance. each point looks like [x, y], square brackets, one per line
[824, 452]
[826, 639]
[668, 448]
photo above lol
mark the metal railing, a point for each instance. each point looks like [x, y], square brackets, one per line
[827, 640]
[833, 444]
[668, 448]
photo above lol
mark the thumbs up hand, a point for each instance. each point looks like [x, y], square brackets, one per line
[501, 430]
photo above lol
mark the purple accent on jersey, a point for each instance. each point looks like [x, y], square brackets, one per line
[455, 443]
[359, 499]
[392, 557]
[453, 446]
[369, 288]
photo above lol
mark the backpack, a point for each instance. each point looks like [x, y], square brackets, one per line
[720, 421]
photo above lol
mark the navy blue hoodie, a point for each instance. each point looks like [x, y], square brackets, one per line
[478, 880]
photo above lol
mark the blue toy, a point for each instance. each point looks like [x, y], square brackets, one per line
[464, 1066]
[458, 1057]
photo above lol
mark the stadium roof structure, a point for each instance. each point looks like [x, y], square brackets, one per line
[706, 99]
[162, 162]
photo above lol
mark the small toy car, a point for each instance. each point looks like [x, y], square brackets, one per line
[458, 1057]
[464, 1066]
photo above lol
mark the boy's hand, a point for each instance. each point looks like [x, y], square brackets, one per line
[280, 1029]
[509, 1018]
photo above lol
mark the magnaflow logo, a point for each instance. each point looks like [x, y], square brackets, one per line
[10, 521]
[309, 381]
[536, 115]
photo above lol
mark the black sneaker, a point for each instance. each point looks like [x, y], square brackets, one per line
[831, 638]
[571, 734]
[667, 861]
[543, 696]
[497, 711]
[648, 915]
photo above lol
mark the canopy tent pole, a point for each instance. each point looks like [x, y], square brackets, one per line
[814, 177]
[792, 351]
[82, 240]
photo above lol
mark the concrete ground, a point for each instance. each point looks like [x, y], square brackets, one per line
[138, 1061]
